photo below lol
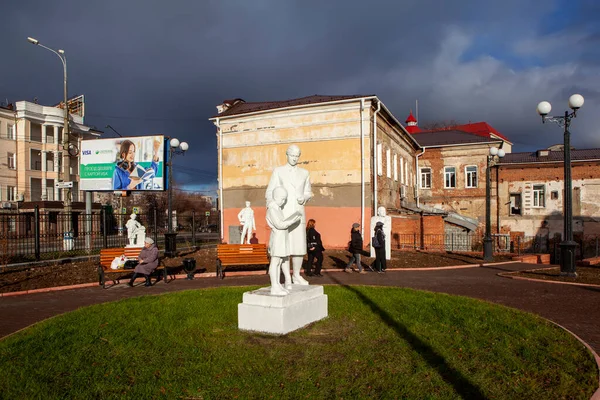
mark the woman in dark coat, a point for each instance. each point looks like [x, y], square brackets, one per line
[148, 261]
[380, 248]
[356, 245]
[315, 248]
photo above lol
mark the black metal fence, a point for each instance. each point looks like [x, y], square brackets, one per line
[38, 235]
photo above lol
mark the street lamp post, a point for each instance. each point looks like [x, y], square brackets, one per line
[66, 136]
[175, 147]
[568, 246]
[488, 243]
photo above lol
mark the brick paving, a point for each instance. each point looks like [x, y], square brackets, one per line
[574, 307]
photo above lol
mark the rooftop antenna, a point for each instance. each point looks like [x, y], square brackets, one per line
[417, 110]
[114, 130]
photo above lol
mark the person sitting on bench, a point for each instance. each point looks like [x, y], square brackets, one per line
[148, 261]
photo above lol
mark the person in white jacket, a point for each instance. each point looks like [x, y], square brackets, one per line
[279, 246]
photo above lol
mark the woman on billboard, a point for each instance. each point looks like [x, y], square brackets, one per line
[128, 175]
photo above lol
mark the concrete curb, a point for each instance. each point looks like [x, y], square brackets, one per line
[510, 275]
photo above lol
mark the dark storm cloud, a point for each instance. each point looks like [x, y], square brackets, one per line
[158, 67]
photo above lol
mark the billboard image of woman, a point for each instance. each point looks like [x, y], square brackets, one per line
[127, 173]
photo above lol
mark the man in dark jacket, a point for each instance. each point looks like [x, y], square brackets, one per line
[355, 247]
[380, 265]
[148, 261]
[315, 249]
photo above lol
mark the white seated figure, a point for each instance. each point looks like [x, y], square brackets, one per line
[296, 182]
[136, 232]
[279, 245]
[246, 218]
[387, 230]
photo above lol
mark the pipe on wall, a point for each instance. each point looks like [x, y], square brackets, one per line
[362, 168]
[375, 159]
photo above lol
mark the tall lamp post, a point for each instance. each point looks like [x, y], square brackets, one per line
[175, 147]
[488, 243]
[568, 246]
[66, 148]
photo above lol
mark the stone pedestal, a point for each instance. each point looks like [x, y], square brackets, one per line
[262, 312]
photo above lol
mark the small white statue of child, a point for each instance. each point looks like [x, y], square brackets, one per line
[279, 247]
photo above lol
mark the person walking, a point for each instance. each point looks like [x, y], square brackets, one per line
[315, 249]
[355, 248]
[148, 261]
[378, 243]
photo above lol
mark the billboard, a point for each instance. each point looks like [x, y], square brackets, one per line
[127, 163]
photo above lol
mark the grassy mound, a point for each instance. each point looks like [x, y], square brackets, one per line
[376, 342]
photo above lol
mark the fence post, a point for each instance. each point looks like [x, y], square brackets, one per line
[452, 241]
[415, 241]
[518, 245]
[193, 228]
[36, 232]
[105, 227]
[156, 226]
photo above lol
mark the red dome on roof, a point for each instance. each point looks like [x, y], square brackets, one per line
[411, 118]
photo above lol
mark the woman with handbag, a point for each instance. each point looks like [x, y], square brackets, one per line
[314, 248]
[378, 242]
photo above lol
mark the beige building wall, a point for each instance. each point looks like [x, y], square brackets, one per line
[329, 136]
[8, 148]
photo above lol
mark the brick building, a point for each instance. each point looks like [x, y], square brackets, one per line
[531, 192]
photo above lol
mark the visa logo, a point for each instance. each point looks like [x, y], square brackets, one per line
[86, 152]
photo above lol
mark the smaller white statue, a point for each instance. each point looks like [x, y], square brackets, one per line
[387, 230]
[136, 232]
[246, 218]
[279, 242]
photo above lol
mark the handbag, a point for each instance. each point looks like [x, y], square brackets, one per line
[130, 264]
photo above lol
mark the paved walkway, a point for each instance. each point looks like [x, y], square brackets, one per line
[577, 308]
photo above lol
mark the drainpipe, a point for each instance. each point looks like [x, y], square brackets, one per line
[220, 135]
[375, 158]
[362, 168]
[417, 177]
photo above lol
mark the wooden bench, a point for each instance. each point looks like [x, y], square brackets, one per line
[241, 254]
[108, 255]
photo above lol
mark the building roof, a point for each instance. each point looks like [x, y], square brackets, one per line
[548, 156]
[449, 138]
[481, 129]
[239, 106]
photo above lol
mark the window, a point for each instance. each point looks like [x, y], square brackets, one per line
[554, 195]
[379, 159]
[10, 132]
[539, 196]
[10, 193]
[12, 163]
[449, 177]
[471, 176]
[395, 167]
[401, 170]
[515, 204]
[426, 178]
[388, 164]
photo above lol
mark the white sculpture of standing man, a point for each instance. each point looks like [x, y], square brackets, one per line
[136, 232]
[246, 218]
[296, 181]
[279, 242]
[387, 230]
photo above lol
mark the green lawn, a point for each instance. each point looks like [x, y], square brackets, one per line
[376, 343]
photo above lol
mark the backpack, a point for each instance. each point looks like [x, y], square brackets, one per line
[375, 242]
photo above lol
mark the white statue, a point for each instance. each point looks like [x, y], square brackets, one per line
[387, 230]
[296, 181]
[279, 241]
[246, 218]
[136, 232]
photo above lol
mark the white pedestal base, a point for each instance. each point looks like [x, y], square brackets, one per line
[262, 312]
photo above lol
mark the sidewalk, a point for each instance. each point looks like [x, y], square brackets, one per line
[574, 307]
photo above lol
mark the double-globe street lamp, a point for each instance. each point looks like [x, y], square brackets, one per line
[175, 147]
[568, 246]
[488, 244]
[66, 148]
